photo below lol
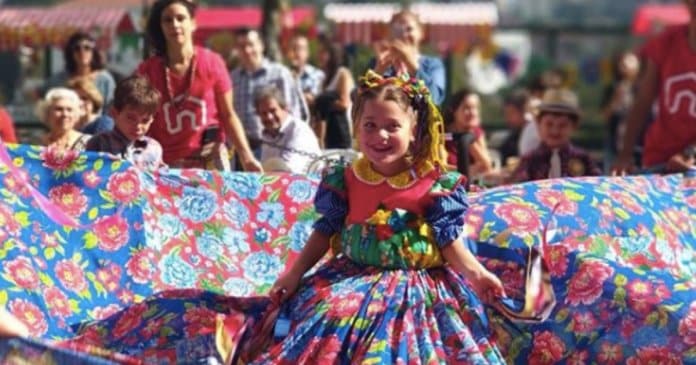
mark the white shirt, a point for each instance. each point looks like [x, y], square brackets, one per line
[529, 138]
[293, 135]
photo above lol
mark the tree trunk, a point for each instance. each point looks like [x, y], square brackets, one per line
[271, 27]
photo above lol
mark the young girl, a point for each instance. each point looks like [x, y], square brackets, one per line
[464, 117]
[399, 288]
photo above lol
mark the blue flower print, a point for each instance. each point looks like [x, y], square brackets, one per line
[635, 244]
[176, 272]
[237, 287]
[209, 246]
[262, 268]
[261, 235]
[155, 238]
[171, 225]
[236, 241]
[667, 253]
[299, 233]
[300, 191]
[236, 213]
[246, 186]
[273, 213]
[197, 204]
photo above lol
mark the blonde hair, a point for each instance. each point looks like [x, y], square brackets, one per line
[404, 15]
[86, 86]
[54, 94]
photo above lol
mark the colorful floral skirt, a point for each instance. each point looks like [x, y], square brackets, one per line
[343, 313]
[346, 313]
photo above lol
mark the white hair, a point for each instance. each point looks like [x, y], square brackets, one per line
[53, 95]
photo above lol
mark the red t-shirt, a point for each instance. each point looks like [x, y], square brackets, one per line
[179, 125]
[674, 129]
[7, 132]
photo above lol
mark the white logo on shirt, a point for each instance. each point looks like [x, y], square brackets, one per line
[188, 114]
[679, 89]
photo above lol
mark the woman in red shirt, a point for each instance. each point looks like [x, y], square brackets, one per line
[196, 116]
[670, 77]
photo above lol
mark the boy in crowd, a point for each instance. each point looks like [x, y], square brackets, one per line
[133, 109]
[558, 117]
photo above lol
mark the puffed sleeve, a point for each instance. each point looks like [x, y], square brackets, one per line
[330, 201]
[449, 204]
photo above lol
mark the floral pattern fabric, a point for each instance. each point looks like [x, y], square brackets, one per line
[621, 253]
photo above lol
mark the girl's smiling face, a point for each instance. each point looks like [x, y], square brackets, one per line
[385, 133]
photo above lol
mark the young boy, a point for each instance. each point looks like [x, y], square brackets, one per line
[558, 117]
[133, 109]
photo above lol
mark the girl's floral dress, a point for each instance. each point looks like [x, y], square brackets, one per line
[387, 296]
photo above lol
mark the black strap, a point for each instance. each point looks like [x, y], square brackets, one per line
[463, 141]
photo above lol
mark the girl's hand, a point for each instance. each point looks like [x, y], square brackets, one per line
[285, 286]
[487, 286]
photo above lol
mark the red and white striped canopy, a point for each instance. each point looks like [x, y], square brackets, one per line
[52, 26]
[445, 23]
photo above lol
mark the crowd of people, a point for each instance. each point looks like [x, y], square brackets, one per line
[209, 116]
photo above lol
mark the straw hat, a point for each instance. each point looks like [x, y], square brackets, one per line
[559, 101]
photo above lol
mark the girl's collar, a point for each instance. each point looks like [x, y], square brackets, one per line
[365, 173]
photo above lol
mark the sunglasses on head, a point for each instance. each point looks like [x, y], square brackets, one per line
[83, 47]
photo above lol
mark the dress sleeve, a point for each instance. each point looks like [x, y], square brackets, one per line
[446, 213]
[330, 201]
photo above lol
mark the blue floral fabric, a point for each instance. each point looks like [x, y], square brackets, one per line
[621, 252]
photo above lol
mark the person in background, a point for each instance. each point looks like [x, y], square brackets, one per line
[284, 137]
[135, 103]
[333, 122]
[556, 157]
[256, 71]
[402, 53]
[669, 65]
[84, 59]
[463, 115]
[91, 121]
[310, 78]
[523, 136]
[7, 130]
[60, 110]
[195, 120]
[618, 98]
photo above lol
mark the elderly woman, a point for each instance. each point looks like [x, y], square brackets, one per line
[60, 110]
[91, 102]
[84, 59]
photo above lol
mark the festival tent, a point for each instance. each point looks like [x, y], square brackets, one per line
[447, 24]
[40, 27]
